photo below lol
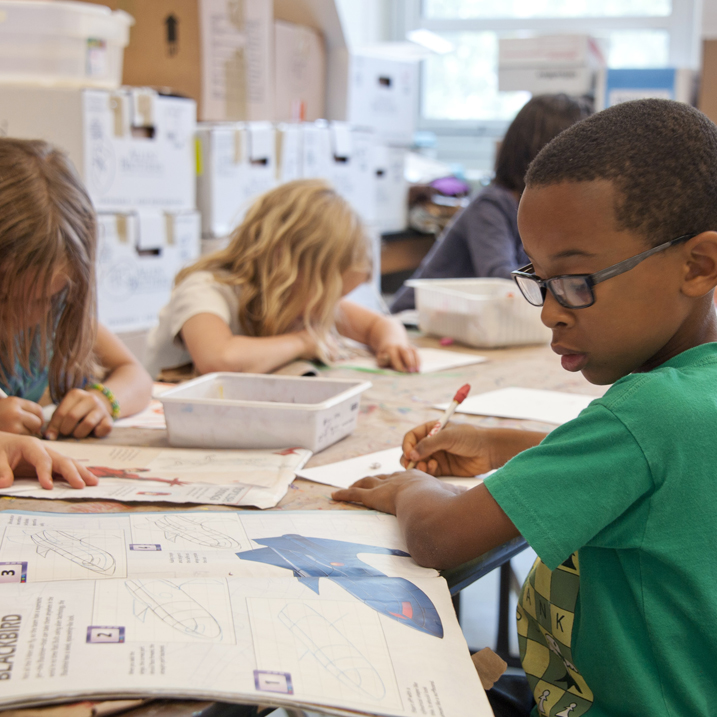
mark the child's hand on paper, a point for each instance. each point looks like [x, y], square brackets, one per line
[18, 415]
[380, 492]
[79, 414]
[464, 450]
[27, 457]
[398, 356]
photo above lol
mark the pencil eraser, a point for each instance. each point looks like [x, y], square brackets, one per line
[462, 393]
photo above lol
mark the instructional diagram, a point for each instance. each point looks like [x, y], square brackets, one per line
[265, 607]
[257, 478]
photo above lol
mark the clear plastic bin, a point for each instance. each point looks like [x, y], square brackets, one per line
[62, 44]
[485, 313]
[244, 410]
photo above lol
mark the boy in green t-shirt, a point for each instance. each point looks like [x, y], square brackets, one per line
[619, 614]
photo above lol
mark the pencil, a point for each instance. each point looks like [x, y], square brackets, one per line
[460, 396]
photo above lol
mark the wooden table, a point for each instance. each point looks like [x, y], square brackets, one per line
[393, 405]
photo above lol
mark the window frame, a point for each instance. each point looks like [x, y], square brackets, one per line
[683, 26]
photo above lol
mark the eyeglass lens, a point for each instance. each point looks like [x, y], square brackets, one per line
[574, 292]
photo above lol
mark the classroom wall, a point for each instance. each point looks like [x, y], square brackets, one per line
[709, 19]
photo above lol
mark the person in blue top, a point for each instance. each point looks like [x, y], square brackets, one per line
[483, 240]
[619, 614]
[52, 348]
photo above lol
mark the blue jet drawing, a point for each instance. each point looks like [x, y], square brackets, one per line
[336, 560]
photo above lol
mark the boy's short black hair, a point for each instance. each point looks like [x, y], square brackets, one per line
[661, 156]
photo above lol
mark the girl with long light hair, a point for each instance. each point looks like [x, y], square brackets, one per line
[275, 294]
[52, 350]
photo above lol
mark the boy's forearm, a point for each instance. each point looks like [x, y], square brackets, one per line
[444, 529]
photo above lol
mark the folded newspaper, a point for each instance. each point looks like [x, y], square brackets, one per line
[319, 609]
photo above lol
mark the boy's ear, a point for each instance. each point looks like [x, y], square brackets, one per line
[700, 275]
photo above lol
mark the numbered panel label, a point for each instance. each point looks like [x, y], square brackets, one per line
[145, 547]
[279, 682]
[100, 633]
[13, 572]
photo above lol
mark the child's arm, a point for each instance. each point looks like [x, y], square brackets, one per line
[82, 412]
[26, 457]
[386, 336]
[213, 347]
[443, 527]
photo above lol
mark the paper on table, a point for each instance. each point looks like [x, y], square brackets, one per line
[343, 473]
[528, 403]
[127, 473]
[151, 417]
[206, 605]
[431, 360]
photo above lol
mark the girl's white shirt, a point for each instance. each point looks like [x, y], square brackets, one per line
[199, 293]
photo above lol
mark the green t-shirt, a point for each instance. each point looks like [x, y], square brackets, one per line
[619, 614]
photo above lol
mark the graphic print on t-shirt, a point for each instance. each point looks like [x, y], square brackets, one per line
[545, 614]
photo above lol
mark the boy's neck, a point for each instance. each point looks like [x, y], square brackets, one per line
[700, 327]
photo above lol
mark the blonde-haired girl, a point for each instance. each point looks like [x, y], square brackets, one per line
[275, 293]
[50, 342]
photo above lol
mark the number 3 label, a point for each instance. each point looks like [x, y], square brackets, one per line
[13, 572]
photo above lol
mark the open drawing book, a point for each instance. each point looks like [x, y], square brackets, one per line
[258, 478]
[316, 608]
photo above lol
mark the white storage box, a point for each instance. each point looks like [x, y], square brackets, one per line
[484, 313]
[391, 188]
[70, 44]
[133, 148]
[376, 92]
[244, 410]
[237, 163]
[138, 256]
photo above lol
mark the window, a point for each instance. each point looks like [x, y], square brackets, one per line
[462, 87]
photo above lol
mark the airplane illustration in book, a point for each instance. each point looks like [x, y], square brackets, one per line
[77, 550]
[338, 561]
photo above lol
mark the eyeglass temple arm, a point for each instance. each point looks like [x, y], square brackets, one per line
[633, 261]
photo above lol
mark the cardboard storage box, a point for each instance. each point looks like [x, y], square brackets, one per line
[549, 63]
[222, 53]
[236, 163]
[132, 147]
[299, 73]
[139, 254]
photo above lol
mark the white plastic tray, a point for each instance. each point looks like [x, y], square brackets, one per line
[244, 410]
[62, 44]
[484, 313]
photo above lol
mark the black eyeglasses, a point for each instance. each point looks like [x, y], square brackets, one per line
[575, 291]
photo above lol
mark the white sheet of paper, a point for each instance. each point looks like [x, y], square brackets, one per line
[206, 605]
[343, 473]
[175, 475]
[431, 360]
[151, 417]
[528, 403]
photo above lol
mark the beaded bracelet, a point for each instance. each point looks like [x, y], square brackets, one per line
[114, 403]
